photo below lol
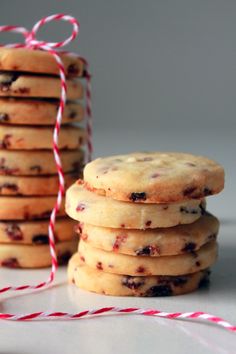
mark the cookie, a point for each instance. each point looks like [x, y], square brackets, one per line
[91, 208]
[34, 256]
[27, 208]
[152, 242]
[27, 85]
[37, 112]
[154, 177]
[100, 282]
[38, 61]
[24, 138]
[35, 232]
[38, 162]
[33, 185]
[117, 263]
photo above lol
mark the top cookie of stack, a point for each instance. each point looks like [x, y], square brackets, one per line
[30, 90]
[144, 229]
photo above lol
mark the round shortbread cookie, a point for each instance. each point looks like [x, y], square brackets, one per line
[154, 177]
[94, 209]
[37, 112]
[38, 162]
[26, 85]
[35, 232]
[100, 282]
[40, 138]
[33, 185]
[117, 263]
[28, 208]
[39, 61]
[34, 256]
[152, 242]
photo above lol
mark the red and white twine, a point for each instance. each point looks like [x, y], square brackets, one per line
[32, 43]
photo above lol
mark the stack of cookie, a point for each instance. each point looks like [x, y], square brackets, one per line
[143, 225]
[29, 98]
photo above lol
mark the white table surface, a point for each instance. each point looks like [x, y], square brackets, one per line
[135, 334]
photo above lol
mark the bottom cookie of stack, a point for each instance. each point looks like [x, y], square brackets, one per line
[95, 280]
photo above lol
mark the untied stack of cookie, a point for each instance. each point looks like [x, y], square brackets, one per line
[143, 227]
[30, 90]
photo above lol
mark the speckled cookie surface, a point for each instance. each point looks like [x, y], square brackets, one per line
[38, 61]
[100, 282]
[30, 163]
[152, 242]
[22, 85]
[157, 177]
[27, 208]
[39, 138]
[37, 112]
[35, 232]
[33, 185]
[91, 208]
[34, 256]
[117, 263]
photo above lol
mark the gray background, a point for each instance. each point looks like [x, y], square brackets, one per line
[164, 72]
[157, 64]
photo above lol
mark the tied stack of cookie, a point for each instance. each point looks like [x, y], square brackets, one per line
[143, 227]
[30, 90]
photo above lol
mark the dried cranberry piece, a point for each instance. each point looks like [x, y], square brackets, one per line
[140, 269]
[11, 263]
[36, 168]
[189, 191]
[135, 196]
[99, 266]
[10, 186]
[132, 282]
[159, 290]
[4, 117]
[80, 207]
[148, 251]
[40, 239]
[189, 247]
[14, 232]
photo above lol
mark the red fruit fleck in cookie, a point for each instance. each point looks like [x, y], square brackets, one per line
[84, 237]
[99, 266]
[10, 263]
[72, 70]
[159, 290]
[155, 175]
[5, 143]
[14, 232]
[36, 168]
[148, 251]
[189, 247]
[80, 207]
[189, 191]
[40, 239]
[132, 282]
[82, 258]
[135, 197]
[148, 223]
[4, 117]
[140, 269]
[119, 240]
